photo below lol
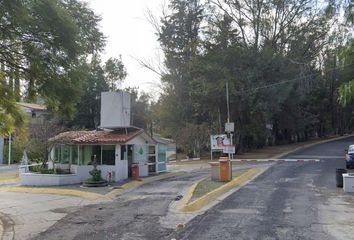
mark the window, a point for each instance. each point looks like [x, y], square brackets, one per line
[108, 154]
[96, 150]
[65, 154]
[123, 152]
[56, 154]
[86, 155]
[74, 155]
[152, 149]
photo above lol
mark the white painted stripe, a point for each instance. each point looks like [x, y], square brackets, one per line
[316, 157]
[276, 160]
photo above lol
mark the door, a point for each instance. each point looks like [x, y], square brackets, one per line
[152, 159]
[161, 164]
[130, 159]
[141, 158]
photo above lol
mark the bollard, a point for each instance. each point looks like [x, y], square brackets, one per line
[225, 169]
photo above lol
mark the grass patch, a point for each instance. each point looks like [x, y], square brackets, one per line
[207, 185]
[8, 176]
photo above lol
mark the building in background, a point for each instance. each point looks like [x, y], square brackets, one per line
[36, 113]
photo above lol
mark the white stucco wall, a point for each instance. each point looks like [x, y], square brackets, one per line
[34, 179]
[83, 171]
[141, 142]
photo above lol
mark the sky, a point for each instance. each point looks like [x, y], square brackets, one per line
[131, 35]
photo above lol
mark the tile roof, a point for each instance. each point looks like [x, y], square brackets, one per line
[95, 137]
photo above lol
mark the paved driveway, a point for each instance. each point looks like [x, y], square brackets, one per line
[297, 200]
[138, 214]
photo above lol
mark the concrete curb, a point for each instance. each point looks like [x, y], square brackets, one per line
[212, 196]
[89, 195]
[58, 191]
[187, 196]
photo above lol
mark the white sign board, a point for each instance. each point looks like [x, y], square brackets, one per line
[229, 127]
[218, 142]
[229, 149]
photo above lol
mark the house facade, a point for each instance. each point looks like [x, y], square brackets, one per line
[35, 113]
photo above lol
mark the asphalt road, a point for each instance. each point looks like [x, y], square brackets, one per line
[132, 216]
[283, 203]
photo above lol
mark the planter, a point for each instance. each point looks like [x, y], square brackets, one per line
[102, 183]
[38, 179]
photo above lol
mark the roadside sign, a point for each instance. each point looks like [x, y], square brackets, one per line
[217, 142]
[229, 127]
[229, 149]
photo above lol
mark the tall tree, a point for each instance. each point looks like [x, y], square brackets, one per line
[272, 54]
[115, 72]
[88, 108]
[45, 43]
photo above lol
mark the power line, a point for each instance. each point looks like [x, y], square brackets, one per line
[253, 90]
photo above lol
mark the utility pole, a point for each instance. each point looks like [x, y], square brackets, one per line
[227, 102]
[228, 112]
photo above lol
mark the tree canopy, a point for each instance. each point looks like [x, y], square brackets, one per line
[44, 45]
[281, 60]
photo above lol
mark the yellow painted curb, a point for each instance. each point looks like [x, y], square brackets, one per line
[59, 191]
[134, 184]
[188, 195]
[201, 202]
[89, 195]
